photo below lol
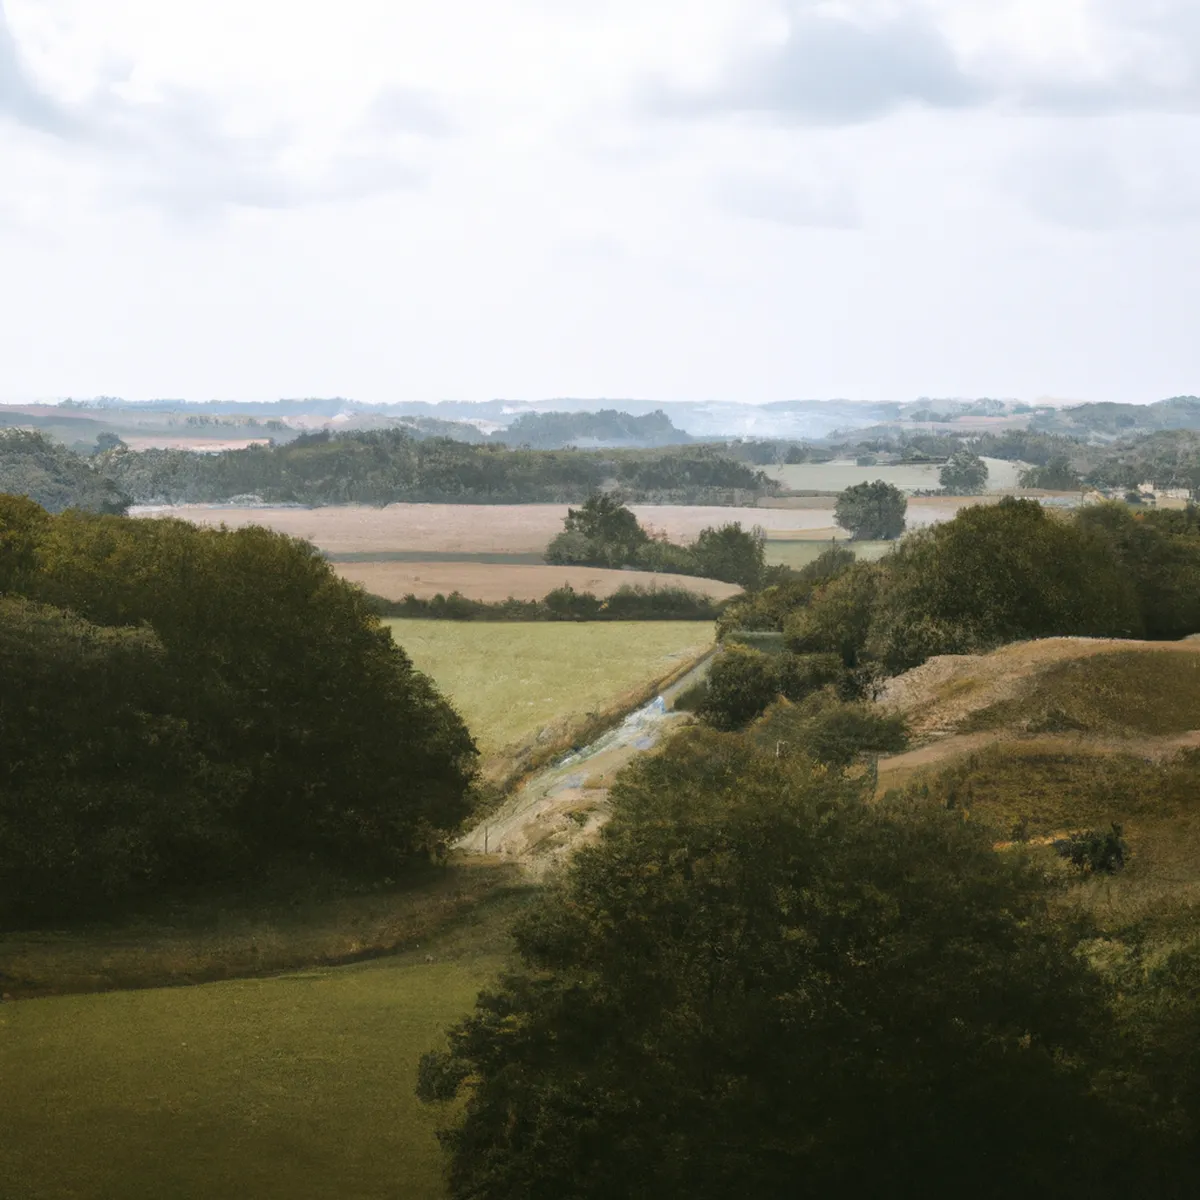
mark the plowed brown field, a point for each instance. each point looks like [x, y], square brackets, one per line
[498, 581]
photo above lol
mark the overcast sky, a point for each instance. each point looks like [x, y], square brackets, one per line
[665, 199]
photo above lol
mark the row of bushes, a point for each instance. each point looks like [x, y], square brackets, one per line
[562, 604]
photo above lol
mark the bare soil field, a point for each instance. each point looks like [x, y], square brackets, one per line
[501, 528]
[499, 581]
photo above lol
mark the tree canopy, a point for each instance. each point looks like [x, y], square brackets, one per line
[761, 984]
[964, 474]
[303, 729]
[871, 511]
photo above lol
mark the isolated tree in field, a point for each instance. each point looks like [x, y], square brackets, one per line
[871, 511]
[605, 519]
[761, 984]
[964, 474]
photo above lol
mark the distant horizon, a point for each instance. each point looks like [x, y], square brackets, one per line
[100, 400]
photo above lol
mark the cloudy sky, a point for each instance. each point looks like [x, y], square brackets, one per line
[669, 199]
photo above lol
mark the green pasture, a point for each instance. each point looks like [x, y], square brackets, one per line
[510, 681]
[298, 1087]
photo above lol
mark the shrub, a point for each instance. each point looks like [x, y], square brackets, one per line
[741, 684]
[1096, 850]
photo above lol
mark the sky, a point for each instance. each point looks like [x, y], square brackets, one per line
[746, 200]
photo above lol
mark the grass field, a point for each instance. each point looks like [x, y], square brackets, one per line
[298, 1087]
[511, 681]
[834, 476]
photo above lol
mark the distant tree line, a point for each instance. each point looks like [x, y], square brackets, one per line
[389, 466]
[33, 465]
[190, 707]
[604, 533]
[627, 603]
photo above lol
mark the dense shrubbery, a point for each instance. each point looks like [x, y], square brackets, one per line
[760, 983]
[604, 533]
[562, 604]
[388, 466]
[51, 475]
[992, 575]
[187, 705]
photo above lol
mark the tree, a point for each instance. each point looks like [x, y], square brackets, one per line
[761, 984]
[731, 553]
[871, 511]
[741, 683]
[338, 749]
[1056, 476]
[964, 474]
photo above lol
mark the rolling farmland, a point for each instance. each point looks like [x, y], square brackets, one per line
[514, 682]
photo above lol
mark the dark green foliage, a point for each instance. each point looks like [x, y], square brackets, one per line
[769, 608]
[1102, 850]
[871, 511]
[731, 553]
[760, 984]
[34, 466]
[604, 533]
[607, 427]
[996, 574]
[304, 729]
[1057, 475]
[837, 619]
[829, 730]
[391, 465]
[965, 474]
[564, 604]
[741, 684]
[799, 675]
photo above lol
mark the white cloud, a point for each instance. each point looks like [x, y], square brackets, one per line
[401, 198]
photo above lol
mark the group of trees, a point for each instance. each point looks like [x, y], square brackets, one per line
[602, 532]
[191, 706]
[393, 465]
[762, 983]
[994, 574]
[562, 604]
[33, 465]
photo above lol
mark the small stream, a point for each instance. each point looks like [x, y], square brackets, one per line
[565, 802]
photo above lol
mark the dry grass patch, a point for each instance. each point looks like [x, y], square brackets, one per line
[498, 581]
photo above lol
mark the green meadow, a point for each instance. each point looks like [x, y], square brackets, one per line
[293, 1087]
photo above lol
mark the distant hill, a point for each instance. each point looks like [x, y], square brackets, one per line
[1120, 420]
[32, 465]
[604, 430]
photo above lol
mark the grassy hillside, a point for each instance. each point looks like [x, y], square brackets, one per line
[295, 1087]
[1042, 740]
[516, 683]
